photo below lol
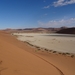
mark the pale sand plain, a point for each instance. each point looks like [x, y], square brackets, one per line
[17, 58]
[55, 42]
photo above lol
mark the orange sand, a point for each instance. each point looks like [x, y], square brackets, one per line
[17, 58]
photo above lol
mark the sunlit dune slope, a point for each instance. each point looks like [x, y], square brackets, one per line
[14, 60]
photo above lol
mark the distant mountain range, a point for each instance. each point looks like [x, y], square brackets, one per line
[64, 30]
[33, 30]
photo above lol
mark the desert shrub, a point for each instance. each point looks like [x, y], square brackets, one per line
[46, 49]
[60, 53]
[72, 56]
[54, 51]
[68, 53]
[63, 53]
[37, 47]
[31, 44]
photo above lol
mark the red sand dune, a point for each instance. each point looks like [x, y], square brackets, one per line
[17, 58]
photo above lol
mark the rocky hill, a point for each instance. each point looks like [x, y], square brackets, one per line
[67, 31]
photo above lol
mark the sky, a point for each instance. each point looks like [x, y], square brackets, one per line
[36, 13]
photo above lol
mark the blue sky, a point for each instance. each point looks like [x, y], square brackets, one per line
[36, 13]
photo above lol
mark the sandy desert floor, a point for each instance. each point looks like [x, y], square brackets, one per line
[18, 58]
[56, 42]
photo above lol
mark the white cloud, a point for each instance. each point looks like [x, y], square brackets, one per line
[46, 7]
[60, 3]
[63, 2]
[59, 23]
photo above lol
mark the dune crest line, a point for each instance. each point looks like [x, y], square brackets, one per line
[61, 73]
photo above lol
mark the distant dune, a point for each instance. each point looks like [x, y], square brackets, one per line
[67, 31]
[18, 58]
[33, 30]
